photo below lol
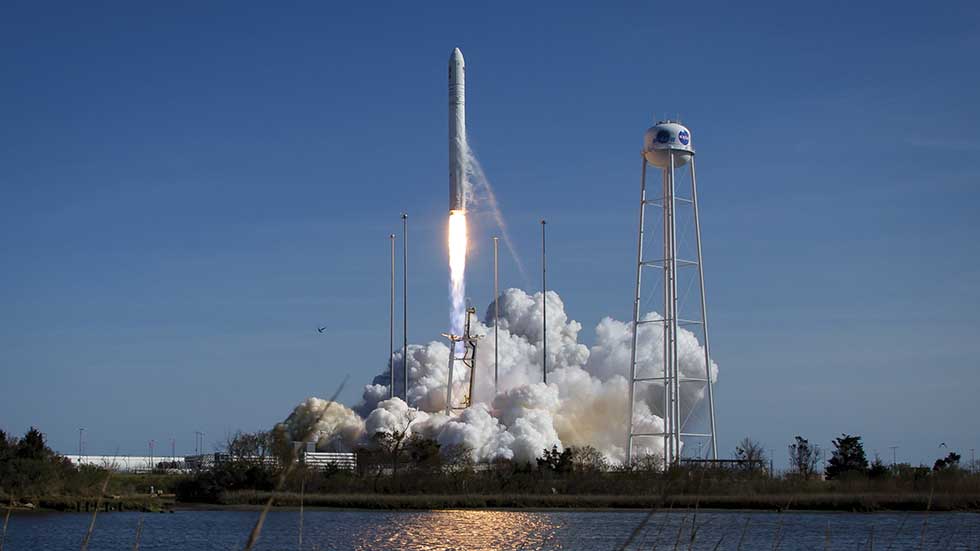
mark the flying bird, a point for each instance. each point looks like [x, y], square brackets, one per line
[943, 445]
[321, 330]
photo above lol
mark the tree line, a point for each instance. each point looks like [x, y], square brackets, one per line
[398, 462]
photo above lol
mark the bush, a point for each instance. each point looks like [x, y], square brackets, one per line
[207, 486]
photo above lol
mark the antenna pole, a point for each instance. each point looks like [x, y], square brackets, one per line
[496, 315]
[544, 305]
[391, 324]
[405, 300]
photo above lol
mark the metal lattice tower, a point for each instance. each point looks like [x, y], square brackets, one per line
[667, 147]
[468, 360]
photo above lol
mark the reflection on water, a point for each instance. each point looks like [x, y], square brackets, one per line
[469, 530]
[502, 530]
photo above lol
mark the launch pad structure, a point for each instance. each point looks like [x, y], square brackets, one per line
[468, 361]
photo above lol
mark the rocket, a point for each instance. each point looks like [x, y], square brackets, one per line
[457, 132]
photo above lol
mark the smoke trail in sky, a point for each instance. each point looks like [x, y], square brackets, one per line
[477, 181]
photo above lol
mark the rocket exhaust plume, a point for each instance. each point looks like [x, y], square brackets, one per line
[457, 269]
[457, 190]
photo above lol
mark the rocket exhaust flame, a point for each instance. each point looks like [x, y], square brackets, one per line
[457, 270]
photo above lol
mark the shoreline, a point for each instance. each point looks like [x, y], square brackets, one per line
[775, 502]
[248, 501]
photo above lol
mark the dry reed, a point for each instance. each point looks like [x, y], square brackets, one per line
[139, 533]
[95, 512]
[253, 536]
[6, 519]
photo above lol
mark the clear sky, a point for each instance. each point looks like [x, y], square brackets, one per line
[188, 189]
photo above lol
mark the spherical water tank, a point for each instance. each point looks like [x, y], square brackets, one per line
[666, 137]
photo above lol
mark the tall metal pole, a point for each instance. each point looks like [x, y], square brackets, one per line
[665, 334]
[544, 305]
[496, 315]
[704, 313]
[675, 374]
[391, 324]
[636, 314]
[405, 300]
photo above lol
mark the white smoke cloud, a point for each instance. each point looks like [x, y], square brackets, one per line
[583, 403]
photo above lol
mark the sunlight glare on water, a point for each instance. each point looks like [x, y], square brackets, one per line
[464, 530]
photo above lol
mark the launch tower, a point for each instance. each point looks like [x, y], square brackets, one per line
[468, 361]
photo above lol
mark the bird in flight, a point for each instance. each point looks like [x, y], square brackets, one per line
[321, 330]
[942, 445]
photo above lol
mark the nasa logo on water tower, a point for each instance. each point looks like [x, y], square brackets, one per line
[666, 140]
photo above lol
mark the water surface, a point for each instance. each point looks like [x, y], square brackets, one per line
[196, 530]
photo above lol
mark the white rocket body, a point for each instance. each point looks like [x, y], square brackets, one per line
[457, 132]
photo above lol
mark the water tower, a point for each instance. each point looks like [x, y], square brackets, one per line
[667, 148]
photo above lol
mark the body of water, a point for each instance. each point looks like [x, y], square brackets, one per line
[199, 530]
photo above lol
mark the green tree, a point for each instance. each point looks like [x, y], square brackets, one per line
[31, 446]
[424, 453]
[878, 470]
[949, 463]
[6, 445]
[848, 457]
[559, 462]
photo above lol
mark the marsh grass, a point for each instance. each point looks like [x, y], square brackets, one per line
[660, 531]
[302, 488]
[745, 528]
[925, 521]
[6, 520]
[291, 463]
[139, 534]
[95, 512]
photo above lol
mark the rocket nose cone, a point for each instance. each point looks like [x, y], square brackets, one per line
[456, 56]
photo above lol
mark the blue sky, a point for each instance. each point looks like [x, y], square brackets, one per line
[187, 190]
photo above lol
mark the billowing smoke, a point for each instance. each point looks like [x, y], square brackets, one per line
[584, 402]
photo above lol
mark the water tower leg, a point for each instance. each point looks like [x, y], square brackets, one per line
[636, 315]
[704, 314]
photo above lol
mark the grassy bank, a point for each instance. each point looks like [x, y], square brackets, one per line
[865, 502]
[88, 504]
